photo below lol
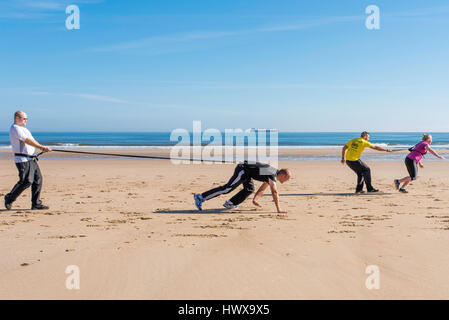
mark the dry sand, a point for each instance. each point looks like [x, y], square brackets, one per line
[131, 228]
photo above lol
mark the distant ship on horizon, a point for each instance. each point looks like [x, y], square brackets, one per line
[264, 129]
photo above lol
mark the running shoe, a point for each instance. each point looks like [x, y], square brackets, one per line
[359, 192]
[397, 184]
[39, 207]
[7, 203]
[373, 191]
[403, 190]
[229, 205]
[199, 201]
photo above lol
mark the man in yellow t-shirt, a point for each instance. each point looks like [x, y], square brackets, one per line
[355, 149]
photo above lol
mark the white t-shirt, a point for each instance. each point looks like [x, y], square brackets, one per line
[18, 135]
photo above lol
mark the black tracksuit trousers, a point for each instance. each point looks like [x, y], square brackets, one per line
[239, 177]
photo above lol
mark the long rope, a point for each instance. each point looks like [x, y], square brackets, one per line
[151, 157]
[138, 156]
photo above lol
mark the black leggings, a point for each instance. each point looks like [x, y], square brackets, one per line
[363, 174]
[412, 168]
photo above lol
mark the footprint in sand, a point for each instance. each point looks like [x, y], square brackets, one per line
[341, 231]
[67, 237]
[221, 226]
[199, 235]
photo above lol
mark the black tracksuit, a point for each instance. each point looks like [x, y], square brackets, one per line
[244, 174]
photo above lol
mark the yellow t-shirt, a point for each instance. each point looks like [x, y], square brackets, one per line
[355, 148]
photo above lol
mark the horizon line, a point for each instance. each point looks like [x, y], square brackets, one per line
[273, 129]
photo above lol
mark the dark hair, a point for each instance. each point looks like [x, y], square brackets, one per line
[364, 133]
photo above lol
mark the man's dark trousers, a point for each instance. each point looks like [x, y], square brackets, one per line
[29, 175]
[363, 174]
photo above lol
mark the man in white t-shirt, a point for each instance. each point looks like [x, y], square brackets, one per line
[24, 147]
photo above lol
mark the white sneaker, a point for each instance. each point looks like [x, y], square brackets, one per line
[229, 205]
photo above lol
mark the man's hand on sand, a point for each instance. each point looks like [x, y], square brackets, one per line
[389, 150]
[257, 204]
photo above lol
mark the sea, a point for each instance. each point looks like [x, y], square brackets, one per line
[285, 140]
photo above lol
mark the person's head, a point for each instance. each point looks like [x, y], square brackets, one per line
[427, 137]
[20, 118]
[365, 135]
[284, 175]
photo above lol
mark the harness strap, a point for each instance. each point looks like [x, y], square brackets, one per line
[27, 156]
[413, 149]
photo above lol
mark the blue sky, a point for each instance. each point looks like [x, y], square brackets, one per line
[287, 64]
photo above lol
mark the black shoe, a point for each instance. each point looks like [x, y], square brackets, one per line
[403, 190]
[7, 203]
[397, 184]
[39, 207]
[359, 192]
[373, 190]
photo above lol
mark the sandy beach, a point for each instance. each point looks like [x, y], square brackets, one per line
[132, 229]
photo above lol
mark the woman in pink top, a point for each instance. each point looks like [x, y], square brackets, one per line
[414, 159]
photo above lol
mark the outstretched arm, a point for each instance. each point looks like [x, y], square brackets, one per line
[259, 193]
[343, 151]
[275, 194]
[434, 153]
[36, 144]
[380, 148]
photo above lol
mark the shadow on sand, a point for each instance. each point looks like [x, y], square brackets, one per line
[18, 210]
[207, 211]
[223, 211]
[330, 194]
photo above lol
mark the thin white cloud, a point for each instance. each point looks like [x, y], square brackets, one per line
[97, 97]
[168, 43]
[142, 104]
[40, 93]
[49, 4]
[109, 99]
[424, 12]
[37, 9]
[44, 5]
[269, 86]
[156, 42]
[87, 96]
[165, 41]
[309, 23]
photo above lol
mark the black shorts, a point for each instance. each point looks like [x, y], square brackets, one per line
[412, 168]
